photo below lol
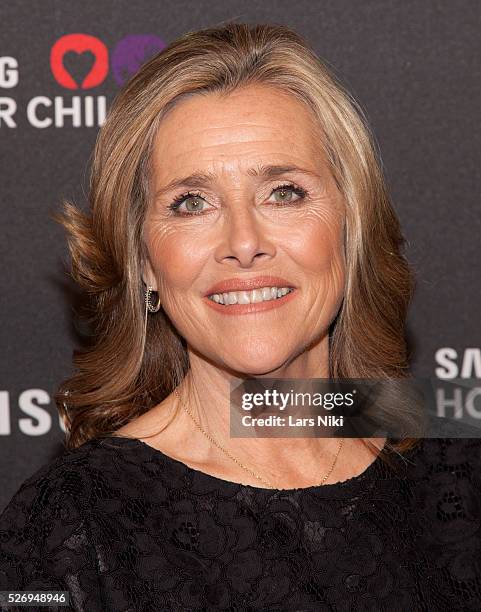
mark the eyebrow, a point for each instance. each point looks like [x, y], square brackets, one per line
[200, 179]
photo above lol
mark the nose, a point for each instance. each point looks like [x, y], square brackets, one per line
[244, 240]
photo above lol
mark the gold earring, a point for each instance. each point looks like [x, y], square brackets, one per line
[148, 295]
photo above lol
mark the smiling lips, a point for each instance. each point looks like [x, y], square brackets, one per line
[243, 296]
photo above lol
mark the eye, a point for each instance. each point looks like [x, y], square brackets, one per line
[194, 204]
[287, 193]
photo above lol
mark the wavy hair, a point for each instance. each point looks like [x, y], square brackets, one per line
[134, 362]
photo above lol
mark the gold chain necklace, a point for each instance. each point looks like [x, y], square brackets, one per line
[226, 452]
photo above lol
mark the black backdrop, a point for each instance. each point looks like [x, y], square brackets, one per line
[415, 68]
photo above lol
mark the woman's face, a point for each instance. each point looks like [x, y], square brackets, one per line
[243, 190]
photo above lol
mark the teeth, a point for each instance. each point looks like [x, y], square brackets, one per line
[262, 294]
[266, 293]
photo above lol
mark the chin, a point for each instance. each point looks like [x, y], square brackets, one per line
[257, 365]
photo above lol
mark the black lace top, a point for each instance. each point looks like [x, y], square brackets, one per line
[123, 527]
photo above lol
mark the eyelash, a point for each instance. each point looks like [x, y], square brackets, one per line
[299, 191]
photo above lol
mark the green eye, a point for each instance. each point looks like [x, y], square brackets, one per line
[285, 193]
[194, 204]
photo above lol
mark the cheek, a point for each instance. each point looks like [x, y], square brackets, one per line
[177, 258]
[317, 245]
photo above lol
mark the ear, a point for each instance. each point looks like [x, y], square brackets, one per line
[148, 275]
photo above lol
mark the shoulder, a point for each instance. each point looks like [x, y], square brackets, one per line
[452, 442]
[59, 495]
[448, 445]
[443, 454]
[445, 477]
[63, 474]
[44, 529]
[78, 480]
[50, 488]
[70, 476]
[447, 494]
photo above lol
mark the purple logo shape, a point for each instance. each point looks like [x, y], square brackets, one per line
[131, 52]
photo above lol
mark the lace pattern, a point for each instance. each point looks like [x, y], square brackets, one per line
[125, 528]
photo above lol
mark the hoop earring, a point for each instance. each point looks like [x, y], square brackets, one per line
[148, 295]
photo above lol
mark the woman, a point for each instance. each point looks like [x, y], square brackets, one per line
[240, 227]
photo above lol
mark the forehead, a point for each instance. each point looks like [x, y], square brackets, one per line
[256, 123]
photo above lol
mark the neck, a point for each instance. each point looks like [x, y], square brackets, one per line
[206, 391]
